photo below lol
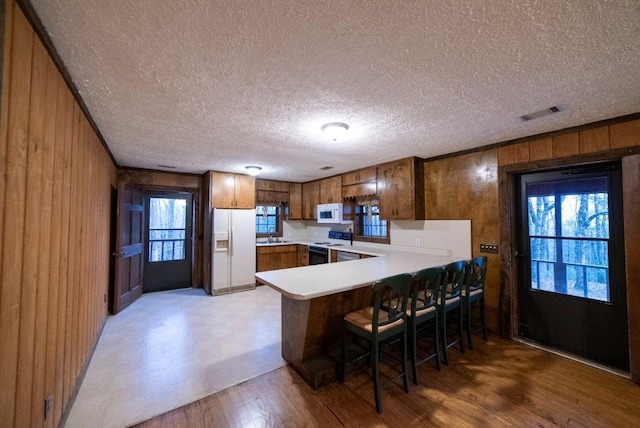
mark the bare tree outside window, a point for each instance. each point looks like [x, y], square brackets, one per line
[167, 224]
[569, 234]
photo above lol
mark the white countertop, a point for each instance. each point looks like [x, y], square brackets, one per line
[308, 282]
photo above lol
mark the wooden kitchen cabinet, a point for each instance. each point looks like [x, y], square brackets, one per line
[331, 190]
[232, 190]
[272, 192]
[272, 185]
[295, 201]
[310, 199]
[401, 189]
[303, 255]
[271, 257]
[361, 182]
[363, 175]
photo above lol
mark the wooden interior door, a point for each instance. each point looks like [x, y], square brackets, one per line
[129, 260]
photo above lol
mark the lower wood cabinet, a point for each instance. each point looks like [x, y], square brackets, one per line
[303, 255]
[271, 257]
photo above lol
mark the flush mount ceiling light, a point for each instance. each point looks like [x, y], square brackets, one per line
[253, 170]
[334, 130]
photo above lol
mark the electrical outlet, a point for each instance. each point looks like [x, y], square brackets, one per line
[417, 242]
[489, 248]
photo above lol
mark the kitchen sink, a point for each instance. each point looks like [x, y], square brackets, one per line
[273, 241]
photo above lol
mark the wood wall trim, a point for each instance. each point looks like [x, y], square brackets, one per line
[546, 135]
[40, 31]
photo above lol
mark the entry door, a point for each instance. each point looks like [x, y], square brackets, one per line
[571, 252]
[129, 227]
[168, 241]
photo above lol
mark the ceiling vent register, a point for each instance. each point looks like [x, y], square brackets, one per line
[540, 113]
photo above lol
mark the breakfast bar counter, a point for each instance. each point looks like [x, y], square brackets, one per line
[316, 298]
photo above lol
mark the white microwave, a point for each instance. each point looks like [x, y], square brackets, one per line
[329, 213]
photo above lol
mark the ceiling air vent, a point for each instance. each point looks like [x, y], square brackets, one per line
[540, 113]
[324, 168]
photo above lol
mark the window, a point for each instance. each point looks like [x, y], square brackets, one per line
[368, 224]
[569, 237]
[167, 226]
[268, 220]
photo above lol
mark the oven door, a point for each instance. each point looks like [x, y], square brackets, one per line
[318, 255]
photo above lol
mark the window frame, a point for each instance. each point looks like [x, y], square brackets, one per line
[279, 220]
[357, 232]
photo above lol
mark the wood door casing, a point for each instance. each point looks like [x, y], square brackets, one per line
[129, 241]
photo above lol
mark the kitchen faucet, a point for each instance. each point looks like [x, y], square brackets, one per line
[271, 231]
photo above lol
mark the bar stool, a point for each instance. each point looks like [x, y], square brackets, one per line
[381, 322]
[473, 291]
[422, 308]
[449, 301]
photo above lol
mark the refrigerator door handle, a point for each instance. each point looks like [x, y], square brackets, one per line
[230, 241]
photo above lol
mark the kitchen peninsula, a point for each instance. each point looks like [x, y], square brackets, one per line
[315, 299]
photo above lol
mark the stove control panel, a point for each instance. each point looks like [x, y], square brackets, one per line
[345, 236]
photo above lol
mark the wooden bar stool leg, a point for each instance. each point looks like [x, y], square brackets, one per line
[413, 350]
[436, 337]
[460, 329]
[469, 331]
[443, 332]
[482, 319]
[405, 376]
[376, 379]
[343, 357]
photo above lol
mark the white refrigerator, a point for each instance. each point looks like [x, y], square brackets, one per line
[234, 250]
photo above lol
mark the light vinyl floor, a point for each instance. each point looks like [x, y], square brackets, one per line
[169, 349]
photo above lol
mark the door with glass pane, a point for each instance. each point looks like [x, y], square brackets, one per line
[168, 243]
[571, 262]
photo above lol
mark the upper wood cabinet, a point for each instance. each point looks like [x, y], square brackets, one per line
[295, 201]
[363, 175]
[401, 189]
[331, 190]
[272, 192]
[358, 183]
[310, 199]
[272, 185]
[232, 190]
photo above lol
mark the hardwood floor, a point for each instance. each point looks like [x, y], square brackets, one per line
[499, 383]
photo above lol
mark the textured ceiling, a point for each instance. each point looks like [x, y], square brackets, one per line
[217, 85]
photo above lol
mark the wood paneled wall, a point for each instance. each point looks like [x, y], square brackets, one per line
[466, 187]
[469, 186]
[589, 141]
[55, 193]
